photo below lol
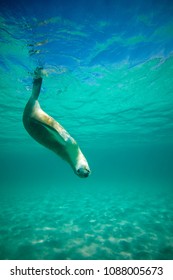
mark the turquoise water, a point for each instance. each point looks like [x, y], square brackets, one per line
[109, 69]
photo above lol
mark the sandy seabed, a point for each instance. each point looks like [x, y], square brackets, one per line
[85, 225]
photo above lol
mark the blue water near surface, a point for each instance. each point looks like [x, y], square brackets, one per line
[108, 80]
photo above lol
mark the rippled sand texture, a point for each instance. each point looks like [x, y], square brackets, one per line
[86, 225]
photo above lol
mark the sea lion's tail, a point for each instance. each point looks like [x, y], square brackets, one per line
[37, 82]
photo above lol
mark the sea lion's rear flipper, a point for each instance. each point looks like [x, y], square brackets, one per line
[37, 82]
[36, 88]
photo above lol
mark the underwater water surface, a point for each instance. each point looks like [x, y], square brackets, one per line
[109, 81]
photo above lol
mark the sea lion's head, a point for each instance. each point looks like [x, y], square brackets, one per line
[81, 167]
[83, 172]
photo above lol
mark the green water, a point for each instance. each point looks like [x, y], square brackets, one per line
[109, 83]
[122, 211]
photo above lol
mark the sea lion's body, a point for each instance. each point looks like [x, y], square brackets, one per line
[48, 132]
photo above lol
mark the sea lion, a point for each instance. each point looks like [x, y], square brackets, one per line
[48, 132]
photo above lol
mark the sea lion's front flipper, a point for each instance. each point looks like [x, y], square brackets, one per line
[53, 126]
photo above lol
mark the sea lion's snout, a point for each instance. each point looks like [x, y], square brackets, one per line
[83, 172]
